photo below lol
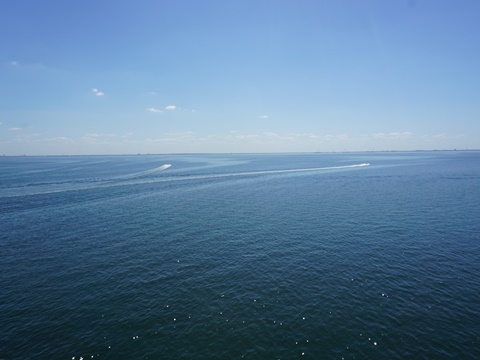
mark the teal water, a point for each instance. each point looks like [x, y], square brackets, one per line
[241, 256]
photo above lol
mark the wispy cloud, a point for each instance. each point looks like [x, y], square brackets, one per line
[15, 129]
[97, 92]
[95, 138]
[443, 136]
[339, 137]
[270, 134]
[263, 116]
[170, 107]
[393, 135]
[61, 140]
[14, 63]
[154, 110]
[308, 136]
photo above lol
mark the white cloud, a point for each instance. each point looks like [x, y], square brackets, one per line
[170, 107]
[95, 138]
[92, 136]
[14, 63]
[97, 92]
[339, 137]
[247, 137]
[154, 110]
[270, 134]
[304, 136]
[182, 133]
[58, 140]
[263, 117]
[126, 135]
[393, 135]
[443, 136]
[15, 129]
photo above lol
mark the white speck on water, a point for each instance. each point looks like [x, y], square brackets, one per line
[375, 343]
[304, 318]
[174, 319]
[303, 354]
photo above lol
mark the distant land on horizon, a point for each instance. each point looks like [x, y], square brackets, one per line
[250, 153]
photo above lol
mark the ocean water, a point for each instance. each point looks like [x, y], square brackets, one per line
[283, 256]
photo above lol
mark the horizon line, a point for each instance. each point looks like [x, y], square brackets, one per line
[248, 153]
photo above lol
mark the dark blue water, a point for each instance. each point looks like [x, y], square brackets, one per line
[241, 256]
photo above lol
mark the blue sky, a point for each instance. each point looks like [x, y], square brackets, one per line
[120, 77]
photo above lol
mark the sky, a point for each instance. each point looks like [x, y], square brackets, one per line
[224, 76]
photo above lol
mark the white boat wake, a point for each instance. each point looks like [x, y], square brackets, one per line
[144, 173]
[265, 172]
[143, 178]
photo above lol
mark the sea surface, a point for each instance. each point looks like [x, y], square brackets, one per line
[284, 256]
